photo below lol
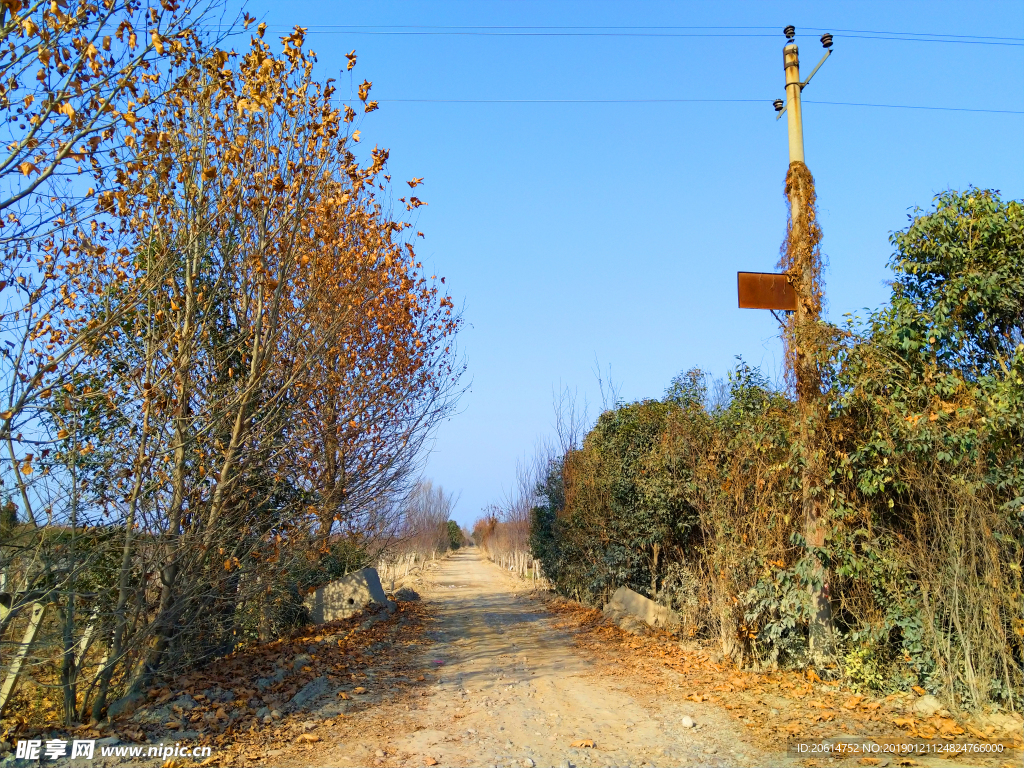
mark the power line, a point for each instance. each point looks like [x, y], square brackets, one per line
[692, 101]
[640, 31]
[916, 106]
[576, 101]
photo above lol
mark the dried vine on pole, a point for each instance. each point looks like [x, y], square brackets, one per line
[804, 339]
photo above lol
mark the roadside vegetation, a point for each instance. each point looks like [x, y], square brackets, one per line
[220, 355]
[694, 499]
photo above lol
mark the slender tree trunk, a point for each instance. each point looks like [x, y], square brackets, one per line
[655, 551]
[124, 576]
[68, 673]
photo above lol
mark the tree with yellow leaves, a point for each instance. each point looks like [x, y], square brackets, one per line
[268, 360]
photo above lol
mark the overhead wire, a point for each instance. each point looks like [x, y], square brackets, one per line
[687, 101]
[648, 31]
[663, 31]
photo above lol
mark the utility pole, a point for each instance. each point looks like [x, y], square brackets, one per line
[797, 290]
[802, 263]
[791, 62]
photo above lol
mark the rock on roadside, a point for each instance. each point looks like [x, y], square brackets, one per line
[926, 706]
[308, 692]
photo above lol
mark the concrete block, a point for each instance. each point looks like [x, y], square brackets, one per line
[346, 597]
[626, 601]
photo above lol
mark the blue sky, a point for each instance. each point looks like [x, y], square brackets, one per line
[612, 232]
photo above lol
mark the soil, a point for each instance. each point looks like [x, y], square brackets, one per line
[484, 670]
[500, 675]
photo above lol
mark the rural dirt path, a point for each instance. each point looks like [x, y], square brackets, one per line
[508, 687]
[484, 672]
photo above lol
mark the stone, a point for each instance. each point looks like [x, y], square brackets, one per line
[926, 706]
[626, 602]
[276, 714]
[347, 596]
[107, 741]
[274, 752]
[379, 752]
[125, 705]
[185, 702]
[528, 763]
[218, 694]
[406, 595]
[262, 713]
[377, 618]
[1001, 721]
[687, 722]
[300, 661]
[310, 691]
[152, 716]
[633, 625]
[267, 682]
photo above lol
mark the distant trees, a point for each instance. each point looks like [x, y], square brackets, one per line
[455, 536]
[503, 532]
[422, 531]
[426, 524]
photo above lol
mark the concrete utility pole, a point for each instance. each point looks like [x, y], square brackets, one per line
[791, 62]
[803, 271]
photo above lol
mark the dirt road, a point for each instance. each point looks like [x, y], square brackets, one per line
[508, 688]
[483, 672]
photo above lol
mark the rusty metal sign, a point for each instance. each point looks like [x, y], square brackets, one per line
[765, 290]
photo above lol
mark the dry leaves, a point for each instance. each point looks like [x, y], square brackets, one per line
[354, 326]
[808, 708]
[583, 743]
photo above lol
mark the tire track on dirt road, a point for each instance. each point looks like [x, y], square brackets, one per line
[511, 689]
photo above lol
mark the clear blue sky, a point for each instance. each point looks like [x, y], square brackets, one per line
[575, 232]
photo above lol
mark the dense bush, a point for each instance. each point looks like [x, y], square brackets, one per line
[695, 501]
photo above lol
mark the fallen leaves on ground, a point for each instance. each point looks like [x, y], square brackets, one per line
[227, 696]
[774, 703]
[585, 743]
